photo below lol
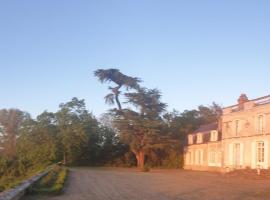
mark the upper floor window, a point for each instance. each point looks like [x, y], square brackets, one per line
[190, 139]
[199, 138]
[260, 124]
[214, 135]
[237, 127]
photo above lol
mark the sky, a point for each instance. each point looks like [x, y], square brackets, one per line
[194, 51]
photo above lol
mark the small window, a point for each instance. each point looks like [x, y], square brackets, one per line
[214, 136]
[190, 139]
[199, 138]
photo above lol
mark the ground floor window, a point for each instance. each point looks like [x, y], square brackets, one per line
[199, 157]
[260, 152]
[214, 158]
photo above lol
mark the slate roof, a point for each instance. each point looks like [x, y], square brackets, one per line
[204, 129]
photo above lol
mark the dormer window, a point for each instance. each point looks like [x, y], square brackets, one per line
[190, 139]
[199, 138]
[214, 135]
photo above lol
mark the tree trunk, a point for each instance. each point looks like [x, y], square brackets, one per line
[118, 102]
[64, 159]
[140, 155]
[116, 94]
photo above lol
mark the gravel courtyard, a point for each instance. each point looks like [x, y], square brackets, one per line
[129, 184]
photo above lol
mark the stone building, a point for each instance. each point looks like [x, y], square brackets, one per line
[239, 140]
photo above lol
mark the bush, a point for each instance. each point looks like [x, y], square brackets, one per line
[52, 183]
[145, 168]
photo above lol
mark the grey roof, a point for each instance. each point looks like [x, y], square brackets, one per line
[206, 128]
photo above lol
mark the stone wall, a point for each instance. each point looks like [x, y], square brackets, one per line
[17, 192]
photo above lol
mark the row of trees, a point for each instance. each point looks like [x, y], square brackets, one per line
[138, 131]
[71, 135]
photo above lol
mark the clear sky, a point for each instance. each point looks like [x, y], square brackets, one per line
[195, 52]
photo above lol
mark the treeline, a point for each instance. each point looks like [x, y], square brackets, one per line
[71, 135]
[138, 131]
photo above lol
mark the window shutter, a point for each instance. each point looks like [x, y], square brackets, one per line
[191, 157]
[241, 154]
[230, 154]
[201, 157]
[253, 155]
[266, 154]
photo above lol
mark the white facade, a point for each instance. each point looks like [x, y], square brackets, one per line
[241, 139]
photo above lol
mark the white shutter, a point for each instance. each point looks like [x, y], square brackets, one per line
[253, 155]
[241, 154]
[201, 157]
[230, 154]
[191, 157]
[265, 165]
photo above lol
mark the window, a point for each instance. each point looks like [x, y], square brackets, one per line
[215, 158]
[214, 136]
[237, 127]
[260, 152]
[260, 124]
[190, 139]
[212, 158]
[199, 138]
[199, 157]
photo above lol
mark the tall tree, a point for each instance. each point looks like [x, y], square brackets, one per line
[141, 128]
[11, 121]
[72, 133]
[121, 80]
[209, 114]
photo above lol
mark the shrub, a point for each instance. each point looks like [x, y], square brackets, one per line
[52, 183]
[145, 168]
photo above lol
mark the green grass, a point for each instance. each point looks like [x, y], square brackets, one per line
[8, 181]
[52, 183]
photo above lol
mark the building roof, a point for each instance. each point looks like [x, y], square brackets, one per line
[258, 101]
[204, 129]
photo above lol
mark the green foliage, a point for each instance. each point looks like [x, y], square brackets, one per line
[13, 172]
[140, 133]
[121, 80]
[159, 139]
[52, 183]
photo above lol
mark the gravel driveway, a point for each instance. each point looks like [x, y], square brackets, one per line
[129, 184]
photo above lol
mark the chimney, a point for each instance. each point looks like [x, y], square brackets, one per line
[242, 100]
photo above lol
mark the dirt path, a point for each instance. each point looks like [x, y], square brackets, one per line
[126, 184]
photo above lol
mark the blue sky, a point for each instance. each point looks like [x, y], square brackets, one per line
[195, 52]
